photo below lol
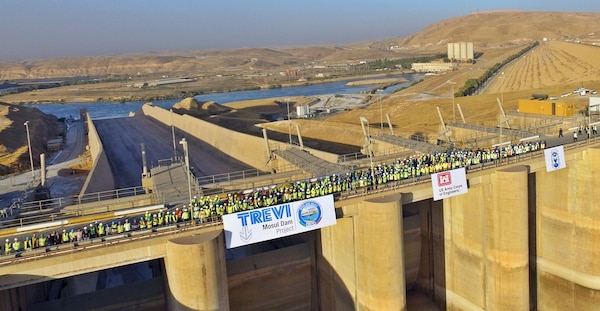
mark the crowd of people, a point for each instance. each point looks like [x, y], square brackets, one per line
[210, 208]
[148, 220]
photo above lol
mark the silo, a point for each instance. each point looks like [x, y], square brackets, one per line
[456, 50]
[470, 53]
[451, 51]
[463, 51]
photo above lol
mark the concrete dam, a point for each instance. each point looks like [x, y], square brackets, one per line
[522, 238]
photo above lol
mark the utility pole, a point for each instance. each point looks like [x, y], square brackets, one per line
[187, 166]
[452, 83]
[289, 122]
[29, 147]
[380, 109]
[173, 133]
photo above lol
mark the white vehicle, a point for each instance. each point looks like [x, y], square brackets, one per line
[553, 97]
[565, 95]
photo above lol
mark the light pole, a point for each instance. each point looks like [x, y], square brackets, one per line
[452, 83]
[187, 166]
[173, 133]
[287, 100]
[29, 147]
[380, 109]
[502, 88]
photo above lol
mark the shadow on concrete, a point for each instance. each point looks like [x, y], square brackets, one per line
[132, 287]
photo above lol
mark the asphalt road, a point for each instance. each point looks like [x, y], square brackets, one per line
[122, 139]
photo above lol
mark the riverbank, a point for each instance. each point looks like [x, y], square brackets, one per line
[124, 91]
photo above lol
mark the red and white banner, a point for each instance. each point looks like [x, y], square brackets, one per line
[449, 183]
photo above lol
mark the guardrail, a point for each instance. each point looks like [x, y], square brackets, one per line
[227, 177]
[105, 241]
[48, 210]
[349, 193]
[216, 220]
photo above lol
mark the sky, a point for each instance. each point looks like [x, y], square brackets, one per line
[41, 29]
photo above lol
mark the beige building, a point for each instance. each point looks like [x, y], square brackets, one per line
[433, 67]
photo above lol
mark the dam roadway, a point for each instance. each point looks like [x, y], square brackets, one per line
[508, 244]
[122, 139]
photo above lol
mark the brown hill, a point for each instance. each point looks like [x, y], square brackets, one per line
[503, 28]
[14, 155]
[486, 29]
[198, 109]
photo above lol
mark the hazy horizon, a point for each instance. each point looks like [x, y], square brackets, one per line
[39, 29]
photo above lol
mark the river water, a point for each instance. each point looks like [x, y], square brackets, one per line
[105, 110]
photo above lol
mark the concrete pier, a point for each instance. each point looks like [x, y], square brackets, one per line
[568, 235]
[487, 259]
[196, 273]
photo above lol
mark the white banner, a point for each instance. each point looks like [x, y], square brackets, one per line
[555, 158]
[449, 183]
[267, 223]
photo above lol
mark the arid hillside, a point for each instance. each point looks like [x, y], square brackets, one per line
[568, 60]
[14, 155]
[504, 28]
[486, 29]
[553, 68]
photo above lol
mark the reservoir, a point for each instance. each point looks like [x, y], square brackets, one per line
[105, 110]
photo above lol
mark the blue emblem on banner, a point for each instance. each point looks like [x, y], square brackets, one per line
[555, 159]
[309, 214]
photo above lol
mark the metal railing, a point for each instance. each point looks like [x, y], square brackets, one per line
[216, 220]
[228, 177]
[51, 209]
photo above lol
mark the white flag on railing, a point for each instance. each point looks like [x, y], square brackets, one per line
[555, 158]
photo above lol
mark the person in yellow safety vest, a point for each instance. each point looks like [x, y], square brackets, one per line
[120, 228]
[148, 216]
[101, 231]
[27, 244]
[72, 236]
[127, 225]
[64, 237]
[196, 214]
[92, 231]
[185, 215]
[142, 223]
[154, 220]
[34, 241]
[16, 245]
[113, 228]
[149, 223]
[7, 247]
[42, 240]
[161, 219]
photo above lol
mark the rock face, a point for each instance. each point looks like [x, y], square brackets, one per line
[14, 154]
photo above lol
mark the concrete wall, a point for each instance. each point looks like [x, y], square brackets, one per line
[100, 177]
[248, 149]
[145, 295]
[568, 234]
[486, 248]
[276, 280]
[521, 239]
